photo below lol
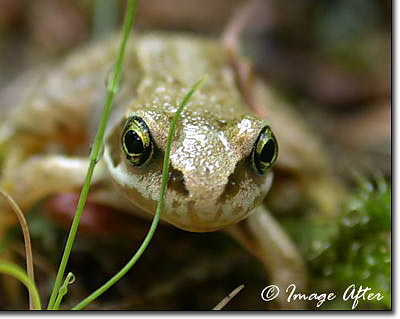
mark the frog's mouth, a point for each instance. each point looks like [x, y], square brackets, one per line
[237, 201]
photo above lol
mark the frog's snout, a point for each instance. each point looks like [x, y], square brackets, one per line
[205, 199]
[193, 187]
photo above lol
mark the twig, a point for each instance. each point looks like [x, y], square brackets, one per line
[228, 298]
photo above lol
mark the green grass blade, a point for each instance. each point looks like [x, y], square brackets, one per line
[18, 273]
[160, 205]
[94, 154]
[64, 289]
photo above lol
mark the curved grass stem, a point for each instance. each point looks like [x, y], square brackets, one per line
[94, 154]
[64, 289]
[16, 272]
[27, 241]
[160, 205]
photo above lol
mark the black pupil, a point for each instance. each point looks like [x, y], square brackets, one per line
[133, 143]
[268, 151]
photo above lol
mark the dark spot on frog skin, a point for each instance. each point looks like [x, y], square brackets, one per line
[176, 181]
[232, 187]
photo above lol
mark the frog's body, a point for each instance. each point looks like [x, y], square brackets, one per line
[212, 183]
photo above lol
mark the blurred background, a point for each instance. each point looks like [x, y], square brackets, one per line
[331, 60]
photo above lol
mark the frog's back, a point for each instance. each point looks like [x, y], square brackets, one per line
[153, 61]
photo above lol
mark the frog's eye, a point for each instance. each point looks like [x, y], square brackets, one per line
[265, 150]
[137, 141]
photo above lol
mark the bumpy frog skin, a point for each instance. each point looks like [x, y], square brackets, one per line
[212, 180]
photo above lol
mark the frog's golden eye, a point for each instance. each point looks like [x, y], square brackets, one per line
[265, 150]
[136, 141]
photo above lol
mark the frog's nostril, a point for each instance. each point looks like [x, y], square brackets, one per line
[176, 181]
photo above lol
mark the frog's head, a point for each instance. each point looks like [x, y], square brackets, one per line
[219, 167]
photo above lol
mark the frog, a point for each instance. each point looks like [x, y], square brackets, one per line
[222, 154]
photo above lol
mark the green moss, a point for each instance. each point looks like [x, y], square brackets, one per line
[352, 248]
